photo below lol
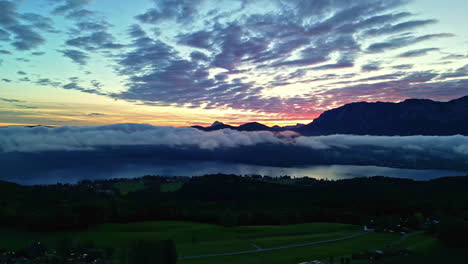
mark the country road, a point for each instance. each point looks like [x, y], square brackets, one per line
[274, 248]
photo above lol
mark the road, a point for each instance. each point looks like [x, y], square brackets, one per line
[274, 248]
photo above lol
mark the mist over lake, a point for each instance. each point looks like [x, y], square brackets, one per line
[42, 155]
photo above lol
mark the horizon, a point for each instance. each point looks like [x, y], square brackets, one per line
[235, 123]
[185, 63]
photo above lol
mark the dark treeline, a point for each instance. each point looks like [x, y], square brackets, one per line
[234, 200]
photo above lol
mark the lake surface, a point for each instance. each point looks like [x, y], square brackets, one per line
[183, 168]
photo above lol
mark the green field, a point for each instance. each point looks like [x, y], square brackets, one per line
[197, 239]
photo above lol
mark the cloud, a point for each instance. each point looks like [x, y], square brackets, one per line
[76, 86]
[139, 149]
[69, 5]
[417, 52]
[181, 10]
[460, 72]
[80, 14]
[10, 100]
[76, 56]
[4, 35]
[8, 16]
[37, 53]
[5, 52]
[371, 66]
[403, 66]
[399, 42]
[18, 139]
[96, 114]
[89, 138]
[94, 41]
[404, 26]
[25, 38]
[40, 22]
[47, 82]
[199, 39]
[26, 107]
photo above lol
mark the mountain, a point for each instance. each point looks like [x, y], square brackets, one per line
[253, 126]
[410, 117]
[215, 126]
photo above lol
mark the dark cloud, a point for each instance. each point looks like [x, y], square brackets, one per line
[403, 66]
[8, 100]
[135, 31]
[180, 10]
[198, 56]
[26, 107]
[37, 53]
[460, 72]
[6, 80]
[80, 14]
[403, 41]
[25, 38]
[21, 73]
[76, 86]
[39, 22]
[5, 52]
[404, 26]
[417, 52]
[47, 82]
[8, 14]
[91, 26]
[94, 41]
[69, 5]
[4, 35]
[76, 56]
[390, 76]
[96, 114]
[455, 56]
[371, 66]
[22, 59]
[199, 39]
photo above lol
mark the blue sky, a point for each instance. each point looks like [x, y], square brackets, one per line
[186, 62]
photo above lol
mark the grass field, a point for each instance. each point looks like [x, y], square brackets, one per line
[197, 239]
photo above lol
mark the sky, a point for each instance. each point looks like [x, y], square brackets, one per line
[191, 62]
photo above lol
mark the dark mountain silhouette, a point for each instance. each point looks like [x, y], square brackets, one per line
[253, 126]
[410, 117]
[215, 126]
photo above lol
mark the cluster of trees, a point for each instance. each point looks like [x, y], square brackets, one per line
[233, 200]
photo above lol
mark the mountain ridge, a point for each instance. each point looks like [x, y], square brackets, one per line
[405, 118]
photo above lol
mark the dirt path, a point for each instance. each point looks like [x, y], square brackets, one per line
[274, 248]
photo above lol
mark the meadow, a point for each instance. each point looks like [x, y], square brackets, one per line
[194, 239]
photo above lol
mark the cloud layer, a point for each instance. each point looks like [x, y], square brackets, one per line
[129, 150]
